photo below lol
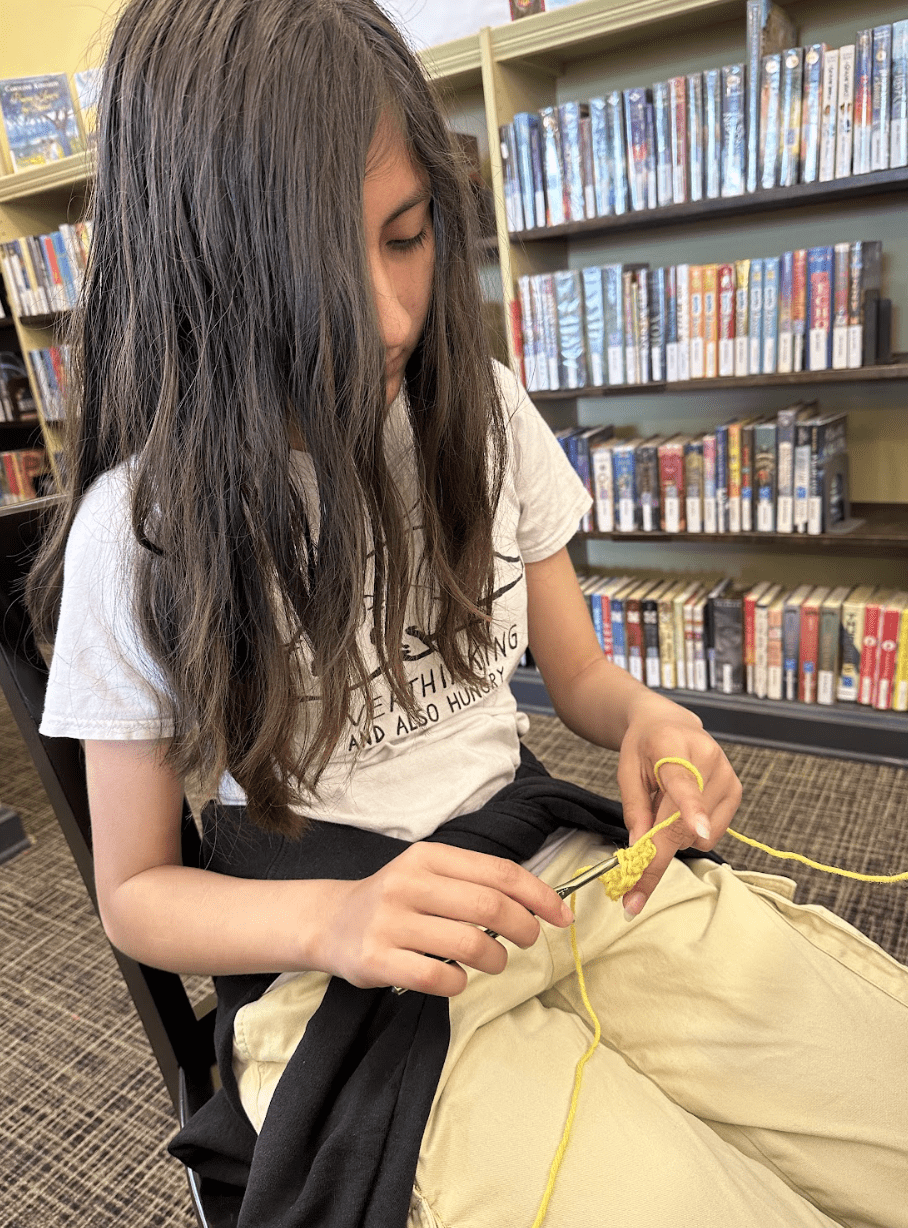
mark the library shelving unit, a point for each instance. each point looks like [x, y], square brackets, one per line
[596, 46]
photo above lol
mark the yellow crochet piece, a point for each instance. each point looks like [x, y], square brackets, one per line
[632, 862]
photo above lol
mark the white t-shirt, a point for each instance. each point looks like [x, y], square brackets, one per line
[409, 776]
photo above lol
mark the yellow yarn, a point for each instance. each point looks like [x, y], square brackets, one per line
[617, 882]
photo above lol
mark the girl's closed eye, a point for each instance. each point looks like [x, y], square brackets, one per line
[411, 243]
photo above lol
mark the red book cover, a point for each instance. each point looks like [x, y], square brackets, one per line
[808, 647]
[633, 630]
[671, 485]
[750, 633]
[608, 644]
[870, 646]
[799, 309]
[50, 256]
[517, 334]
[890, 624]
[12, 476]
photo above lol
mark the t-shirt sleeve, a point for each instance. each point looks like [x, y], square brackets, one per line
[552, 497]
[102, 683]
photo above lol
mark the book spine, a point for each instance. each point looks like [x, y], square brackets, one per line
[696, 136]
[682, 303]
[631, 327]
[550, 327]
[657, 340]
[900, 683]
[671, 486]
[608, 644]
[863, 102]
[755, 364]
[765, 475]
[786, 339]
[799, 310]
[770, 314]
[898, 147]
[593, 313]
[538, 315]
[523, 123]
[734, 144]
[808, 649]
[870, 644]
[649, 625]
[618, 158]
[571, 342]
[553, 167]
[726, 282]
[614, 322]
[828, 654]
[536, 162]
[734, 477]
[785, 441]
[747, 478]
[791, 634]
[722, 479]
[890, 621]
[679, 639]
[603, 488]
[586, 163]
[864, 289]
[728, 639]
[709, 484]
[851, 639]
[619, 632]
[775, 664]
[625, 489]
[648, 487]
[635, 125]
[642, 284]
[750, 642]
[602, 176]
[742, 317]
[801, 475]
[844, 142]
[663, 134]
[770, 121]
[712, 130]
[689, 645]
[818, 433]
[652, 195]
[697, 323]
[569, 115]
[841, 298]
[710, 320]
[634, 637]
[528, 335]
[512, 202]
[755, 20]
[666, 673]
[700, 663]
[677, 95]
[811, 112]
[693, 485]
[828, 114]
[881, 98]
[791, 96]
[820, 270]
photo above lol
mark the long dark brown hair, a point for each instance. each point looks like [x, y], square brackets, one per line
[227, 311]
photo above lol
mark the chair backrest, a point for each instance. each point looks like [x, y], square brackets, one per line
[181, 1042]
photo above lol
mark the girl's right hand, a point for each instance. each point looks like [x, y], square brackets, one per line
[432, 900]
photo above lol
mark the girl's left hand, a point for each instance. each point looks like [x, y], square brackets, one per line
[657, 729]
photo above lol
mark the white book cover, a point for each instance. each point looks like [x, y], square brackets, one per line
[845, 116]
[828, 115]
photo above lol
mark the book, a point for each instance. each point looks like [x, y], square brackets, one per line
[760, 685]
[87, 93]
[642, 301]
[679, 599]
[710, 522]
[829, 640]
[572, 361]
[526, 124]
[820, 271]
[635, 101]
[677, 99]
[799, 310]
[726, 322]
[900, 683]
[582, 445]
[709, 631]
[786, 428]
[593, 315]
[657, 324]
[634, 628]
[770, 120]
[770, 314]
[733, 445]
[696, 138]
[863, 300]
[671, 324]
[765, 475]
[710, 320]
[693, 485]
[618, 610]
[791, 96]
[614, 116]
[712, 132]
[663, 139]
[809, 644]
[602, 474]
[747, 476]
[603, 188]
[828, 439]
[829, 114]
[775, 664]
[862, 124]
[785, 348]
[647, 474]
[755, 358]
[614, 323]
[39, 120]
[769, 30]
[625, 481]
[728, 639]
[841, 285]
[880, 98]
[742, 317]
[734, 143]
[652, 198]
[812, 112]
[513, 204]
[721, 434]
[791, 636]
[545, 313]
[631, 307]
[898, 148]
[851, 642]
[749, 613]
[552, 168]
[845, 113]
[671, 463]
[697, 322]
[649, 622]
[682, 302]
[699, 660]
[870, 644]
[891, 617]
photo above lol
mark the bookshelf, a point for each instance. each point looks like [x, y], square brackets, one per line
[586, 50]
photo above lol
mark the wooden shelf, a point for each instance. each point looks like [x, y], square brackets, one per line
[896, 370]
[877, 529]
[848, 731]
[38, 180]
[856, 187]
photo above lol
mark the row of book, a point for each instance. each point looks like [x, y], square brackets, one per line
[814, 309]
[16, 401]
[43, 273]
[808, 114]
[48, 369]
[782, 473]
[48, 117]
[812, 644]
[21, 474]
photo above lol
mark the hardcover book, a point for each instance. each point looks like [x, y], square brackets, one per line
[693, 485]
[39, 120]
[671, 484]
[602, 472]
[633, 625]
[769, 30]
[697, 322]
[682, 300]
[726, 279]
[712, 131]
[841, 285]
[614, 322]
[900, 685]
[791, 637]
[820, 271]
[663, 134]
[775, 664]
[614, 114]
[862, 126]
[891, 618]
[845, 114]
[722, 478]
[87, 93]
[770, 121]
[829, 639]
[747, 476]
[851, 642]
[734, 145]
[742, 317]
[657, 331]
[572, 366]
[786, 429]
[525, 124]
[770, 313]
[677, 97]
[603, 189]
[870, 645]
[671, 324]
[792, 92]
[647, 462]
[710, 320]
[649, 619]
[812, 112]
[799, 310]
[828, 114]
[733, 444]
[513, 203]
[594, 319]
[898, 148]
[863, 301]
[756, 318]
[809, 643]
[624, 458]
[765, 475]
[785, 347]
[696, 137]
[728, 640]
[635, 101]
[552, 167]
[710, 522]
[751, 597]
[760, 685]
[881, 98]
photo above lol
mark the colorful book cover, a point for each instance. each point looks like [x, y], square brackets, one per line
[863, 295]
[770, 121]
[844, 140]
[728, 640]
[693, 485]
[536, 159]
[545, 283]
[900, 683]
[862, 127]
[697, 322]
[634, 628]
[751, 598]
[594, 317]
[769, 30]
[624, 459]
[733, 444]
[87, 92]
[662, 127]
[553, 167]
[682, 301]
[652, 196]
[649, 621]
[614, 114]
[700, 664]
[536, 371]
[828, 114]
[891, 618]
[603, 190]
[851, 642]
[786, 428]
[742, 317]
[671, 485]
[586, 162]
[677, 97]
[712, 132]
[734, 145]
[809, 644]
[792, 92]
[812, 112]
[898, 147]
[775, 664]
[799, 310]
[710, 320]
[764, 603]
[696, 147]
[755, 360]
[770, 314]
[881, 98]
[786, 288]
[726, 283]
[39, 120]
[828, 647]
[791, 640]
[820, 272]
[747, 476]
[765, 476]
[680, 596]
[618, 606]
[840, 298]
[631, 326]
[614, 323]
[642, 300]
[870, 644]
[709, 483]
[722, 478]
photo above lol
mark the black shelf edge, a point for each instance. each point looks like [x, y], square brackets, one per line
[896, 370]
[845, 731]
[48, 319]
[876, 183]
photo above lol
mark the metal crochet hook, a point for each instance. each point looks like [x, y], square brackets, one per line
[566, 889]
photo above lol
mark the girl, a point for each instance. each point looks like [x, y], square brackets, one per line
[310, 528]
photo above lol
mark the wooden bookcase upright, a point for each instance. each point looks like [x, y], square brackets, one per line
[586, 50]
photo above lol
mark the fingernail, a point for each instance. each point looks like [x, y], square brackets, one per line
[566, 914]
[701, 827]
[633, 905]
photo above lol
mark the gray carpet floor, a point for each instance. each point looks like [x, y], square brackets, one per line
[85, 1117]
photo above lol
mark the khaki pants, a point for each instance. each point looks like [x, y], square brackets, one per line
[751, 1072]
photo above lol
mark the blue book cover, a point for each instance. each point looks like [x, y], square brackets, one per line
[617, 151]
[755, 362]
[671, 324]
[898, 135]
[569, 116]
[712, 131]
[881, 98]
[70, 281]
[820, 266]
[635, 125]
[662, 126]
[657, 329]
[785, 348]
[572, 371]
[619, 637]
[722, 478]
[765, 475]
[524, 123]
[594, 316]
[553, 167]
[614, 323]
[625, 470]
[602, 176]
[770, 314]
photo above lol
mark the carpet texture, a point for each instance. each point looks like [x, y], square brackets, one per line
[85, 1115]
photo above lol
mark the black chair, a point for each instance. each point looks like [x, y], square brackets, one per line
[181, 1038]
